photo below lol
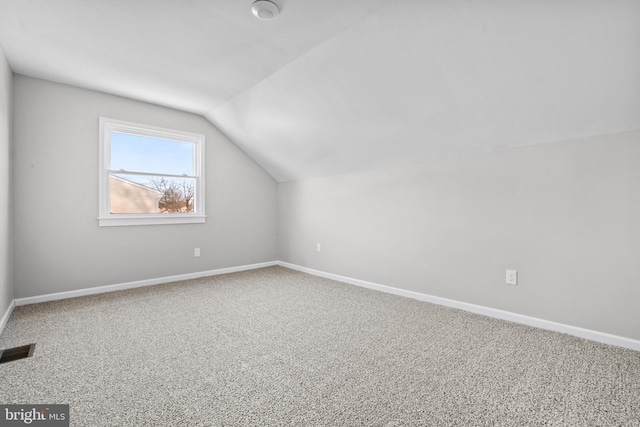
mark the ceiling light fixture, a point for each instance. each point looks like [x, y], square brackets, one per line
[264, 9]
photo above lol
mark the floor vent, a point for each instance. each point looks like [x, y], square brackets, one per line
[16, 353]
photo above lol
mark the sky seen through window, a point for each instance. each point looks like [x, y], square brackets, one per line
[135, 153]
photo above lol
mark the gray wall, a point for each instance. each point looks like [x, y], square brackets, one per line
[565, 215]
[6, 279]
[58, 244]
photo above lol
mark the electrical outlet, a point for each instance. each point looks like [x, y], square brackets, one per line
[319, 247]
[512, 277]
[196, 252]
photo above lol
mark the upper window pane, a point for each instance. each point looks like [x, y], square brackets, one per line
[137, 153]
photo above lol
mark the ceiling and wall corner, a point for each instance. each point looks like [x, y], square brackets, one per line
[334, 87]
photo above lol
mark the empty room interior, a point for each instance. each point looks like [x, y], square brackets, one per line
[320, 213]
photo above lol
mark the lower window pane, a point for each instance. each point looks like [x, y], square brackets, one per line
[137, 194]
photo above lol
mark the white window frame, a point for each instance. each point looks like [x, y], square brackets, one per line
[105, 217]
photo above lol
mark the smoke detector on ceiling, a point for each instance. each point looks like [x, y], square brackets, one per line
[264, 9]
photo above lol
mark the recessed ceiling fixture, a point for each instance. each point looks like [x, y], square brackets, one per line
[264, 9]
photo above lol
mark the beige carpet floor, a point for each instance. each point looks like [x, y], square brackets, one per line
[278, 347]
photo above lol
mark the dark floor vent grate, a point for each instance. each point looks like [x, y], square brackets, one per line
[16, 353]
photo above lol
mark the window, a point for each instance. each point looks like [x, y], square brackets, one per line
[150, 175]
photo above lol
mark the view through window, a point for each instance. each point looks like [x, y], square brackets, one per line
[149, 167]
[150, 175]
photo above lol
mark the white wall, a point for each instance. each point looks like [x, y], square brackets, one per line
[6, 263]
[58, 244]
[565, 215]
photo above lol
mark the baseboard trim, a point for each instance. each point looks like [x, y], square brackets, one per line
[592, 335]
[5, 317]
[601, 337]
[137, 284]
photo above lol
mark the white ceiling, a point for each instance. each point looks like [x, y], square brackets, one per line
[335, 86]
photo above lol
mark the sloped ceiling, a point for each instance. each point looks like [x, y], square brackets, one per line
[336, 86]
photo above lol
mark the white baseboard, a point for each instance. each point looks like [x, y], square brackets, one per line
[137, 284]
[486, 311]
[5, 317]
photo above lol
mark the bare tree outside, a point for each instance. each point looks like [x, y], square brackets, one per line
[175, 196]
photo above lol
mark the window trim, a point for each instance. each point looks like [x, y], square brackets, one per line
[105, 217]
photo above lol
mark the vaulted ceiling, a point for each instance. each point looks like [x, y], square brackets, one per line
[335, 86]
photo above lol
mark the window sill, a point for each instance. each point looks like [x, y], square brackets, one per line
[133, 219]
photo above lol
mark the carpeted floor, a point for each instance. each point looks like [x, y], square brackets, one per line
[278, 347]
